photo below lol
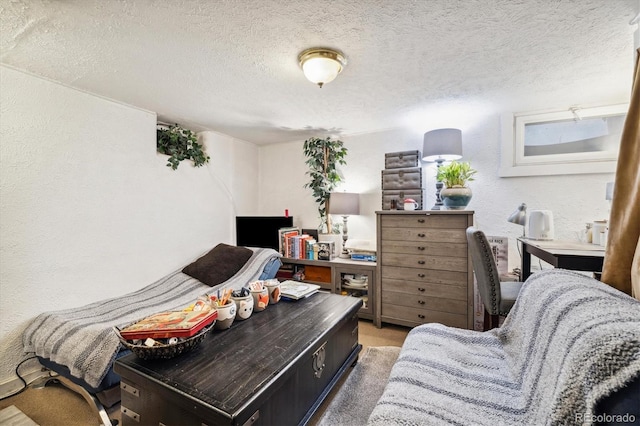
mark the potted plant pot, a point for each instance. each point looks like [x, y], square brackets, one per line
[456, 197]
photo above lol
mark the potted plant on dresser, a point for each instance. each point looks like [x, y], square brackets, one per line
[455, 175]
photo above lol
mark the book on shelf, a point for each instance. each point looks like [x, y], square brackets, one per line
[363, 257]
[283, 235]
[309, 243]
[169, 324]
[297, 290]
[295, 245]
[363, 254]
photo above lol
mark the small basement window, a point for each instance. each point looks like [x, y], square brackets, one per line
[578, 140]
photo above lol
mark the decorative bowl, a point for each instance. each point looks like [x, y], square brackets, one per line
[165, 351]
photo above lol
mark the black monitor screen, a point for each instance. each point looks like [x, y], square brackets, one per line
[260, 231]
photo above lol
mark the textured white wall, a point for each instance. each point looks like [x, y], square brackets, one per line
[89, 210]
[574, 199]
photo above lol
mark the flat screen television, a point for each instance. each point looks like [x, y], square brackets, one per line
[260, 231]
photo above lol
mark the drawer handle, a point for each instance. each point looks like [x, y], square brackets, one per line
[420, 316]
[421, 288]
[420, 220]
[421, 275]
[420, 262]
[422, 302]
[421, 235]
[421, 248]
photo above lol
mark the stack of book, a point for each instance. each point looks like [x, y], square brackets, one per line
[363, 255]
[295, 290]
[297, 245]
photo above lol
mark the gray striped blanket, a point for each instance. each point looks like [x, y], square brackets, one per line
[568, 342]
[83, 338]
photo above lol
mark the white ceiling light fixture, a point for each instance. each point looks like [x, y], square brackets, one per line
[321, 65]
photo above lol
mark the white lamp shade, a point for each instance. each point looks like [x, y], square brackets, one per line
[344, 203]
[442, 144]
[321, 70]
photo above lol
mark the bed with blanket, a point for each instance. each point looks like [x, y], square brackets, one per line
[81, 345]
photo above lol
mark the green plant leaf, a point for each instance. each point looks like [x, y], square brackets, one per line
[180, 144]
[455, 173]
[322, 157]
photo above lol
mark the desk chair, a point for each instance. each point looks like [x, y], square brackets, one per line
[497, 297]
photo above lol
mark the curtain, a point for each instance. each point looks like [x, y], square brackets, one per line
[621, 261]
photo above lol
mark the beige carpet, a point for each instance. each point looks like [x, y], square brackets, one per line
[356, 398]
[56, 405]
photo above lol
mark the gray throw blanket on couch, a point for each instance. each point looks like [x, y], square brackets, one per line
[83, 338]
[568, 342]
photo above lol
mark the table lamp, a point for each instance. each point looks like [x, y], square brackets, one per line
[439, 146]
[344, 204]
[519, 216]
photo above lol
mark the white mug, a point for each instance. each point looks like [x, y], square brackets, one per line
[410, 204]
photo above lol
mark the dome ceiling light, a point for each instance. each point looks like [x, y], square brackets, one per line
[321, 65]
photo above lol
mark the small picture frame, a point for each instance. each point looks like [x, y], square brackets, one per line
[325, 250]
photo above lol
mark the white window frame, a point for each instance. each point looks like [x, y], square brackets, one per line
[514, 163]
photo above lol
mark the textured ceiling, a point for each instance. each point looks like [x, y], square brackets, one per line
[231, 66]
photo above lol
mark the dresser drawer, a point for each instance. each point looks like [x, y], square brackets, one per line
[424, 247]
[417, 316]
[402, 178]
[439, 304]
[423, 234]
[425, 275]
[427, 289]
[457, 264]
[431, 221]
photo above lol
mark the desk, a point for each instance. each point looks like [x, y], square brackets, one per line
[562, 254]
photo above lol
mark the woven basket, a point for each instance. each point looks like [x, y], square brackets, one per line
[163, 351]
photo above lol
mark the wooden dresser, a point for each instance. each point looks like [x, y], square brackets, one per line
[424, 270]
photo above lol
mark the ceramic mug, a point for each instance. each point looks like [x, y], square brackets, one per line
[260, 299]
[244, 306]
[226, 315]
[410, 204]
[273, 287]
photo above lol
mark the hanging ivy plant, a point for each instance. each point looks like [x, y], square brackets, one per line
[180, 144]
[323, 155]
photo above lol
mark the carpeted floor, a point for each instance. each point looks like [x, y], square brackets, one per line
[354, 401]
[55, 405]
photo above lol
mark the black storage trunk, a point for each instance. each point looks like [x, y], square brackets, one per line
[274, 368]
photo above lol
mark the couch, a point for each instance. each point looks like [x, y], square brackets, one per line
[81, 346]
[567, 353]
